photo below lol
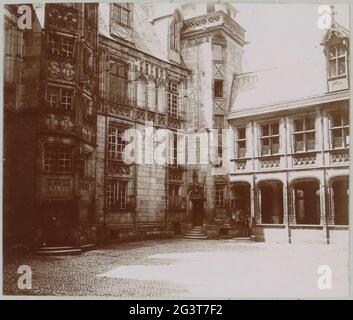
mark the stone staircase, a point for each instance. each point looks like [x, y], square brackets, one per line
[197, 233]
[63, 250]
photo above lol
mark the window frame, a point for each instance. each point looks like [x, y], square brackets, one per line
[305, 133]
[114, 190]
[173, 98]
[56, 45]
[61, 104]
[343, 127]
[116, 80]
[117, 9]
[220, 190]
[56, 163]
[336, 58]
[239, 140]
[115, 143]
[271, 136]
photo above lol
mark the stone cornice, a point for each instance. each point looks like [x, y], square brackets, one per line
[201, 25]
[290, 105]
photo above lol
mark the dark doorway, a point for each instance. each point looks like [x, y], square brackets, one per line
[197, 212]
[307, 202]
[271, 197]
[241, 196]
[56, 224]
[340, 189]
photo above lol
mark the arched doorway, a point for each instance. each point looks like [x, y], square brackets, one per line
[340, 200]
[270, 202]
[306, 201]
[240, 196]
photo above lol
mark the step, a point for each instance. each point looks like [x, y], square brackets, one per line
[58, 252]
[49, 248]
[196, 231]
[195, 237]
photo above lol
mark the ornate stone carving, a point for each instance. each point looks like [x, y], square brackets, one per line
[62, 17]
[65, 71]
[54, 69]
[66, 124]
[68, 71]
[304, 159]
[51, 122]
[340, 156]
[269, 162]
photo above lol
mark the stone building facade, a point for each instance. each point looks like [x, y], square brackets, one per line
[85, 74]
[290, 165]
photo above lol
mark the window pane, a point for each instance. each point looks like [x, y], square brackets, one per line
[340, 50]
[332, 52]
[275, 128]
[341, 66]
[337, 139]
[241, 149]
[333, 70]
[241, 133]
[124, 17]
[265, 146]
[346, 134]
[265, 130]
[310, 141]
[336, 120]
[299, 142]
[310, 124]
[275, 145]
[298, 125]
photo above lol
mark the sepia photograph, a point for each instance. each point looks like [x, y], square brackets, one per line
[179, 150]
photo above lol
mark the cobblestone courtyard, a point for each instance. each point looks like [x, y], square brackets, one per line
[185, 268]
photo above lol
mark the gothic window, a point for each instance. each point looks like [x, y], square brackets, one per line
[66, 99]
[118, 83]
[172, 99]
[116, 144]
[339, 130]
[57, 159]
[53, 97]
[68, 47]
[337, 61]
[61, 45]
[54, 44]
[122, 13]
[218, 88]
[304, 134]
[219, 195]
[60, 98]
[241, 142]
[269, 139]
[116, 194]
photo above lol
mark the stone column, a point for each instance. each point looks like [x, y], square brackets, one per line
[285, 205]
[258, 206]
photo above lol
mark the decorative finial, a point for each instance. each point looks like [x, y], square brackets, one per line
[333, 13]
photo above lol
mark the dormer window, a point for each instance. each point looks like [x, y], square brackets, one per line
[122, 14]
[337, 61]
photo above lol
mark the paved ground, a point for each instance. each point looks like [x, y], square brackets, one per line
[186, 268]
